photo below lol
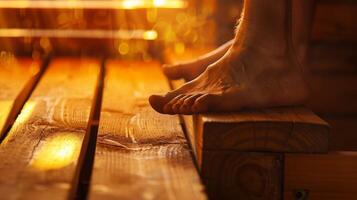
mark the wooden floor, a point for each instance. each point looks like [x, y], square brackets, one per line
[49, 149]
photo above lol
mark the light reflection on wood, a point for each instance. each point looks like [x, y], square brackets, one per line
[25, 113]
[5, 107]
[57, 152]
[15, 75]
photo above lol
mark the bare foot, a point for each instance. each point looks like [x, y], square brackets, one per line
[237, 81]
[191, 69]
[259, 70]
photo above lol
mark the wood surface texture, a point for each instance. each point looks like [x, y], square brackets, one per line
[39, 155]
[290, 129]
[224, 140]
[335, 21]
[242, 175]
[17, 76]
[330, 176]
[140, 154]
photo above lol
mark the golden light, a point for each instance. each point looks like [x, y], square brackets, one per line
[5, 106]
[57, 152]
[180, 48]
[123, 48]
[94, 4]
[69, 33]
[131, 4]
[158, 3]
[26, 112]
[150, 35]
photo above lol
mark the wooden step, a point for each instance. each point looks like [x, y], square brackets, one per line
[140, 154]
[240, 155]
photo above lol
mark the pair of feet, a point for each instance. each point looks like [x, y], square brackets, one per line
[241, 78]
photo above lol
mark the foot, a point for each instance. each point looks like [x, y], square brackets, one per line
[187, 70]
[238, 80]
[191, 69]
[258, 70]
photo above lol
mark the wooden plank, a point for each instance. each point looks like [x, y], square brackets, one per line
[333, 93]
[140, 154]
[223, 140]
[335, 21]
[290, 129]
[331, 176]
[332, 58]
[17, 77]
[38, 158]
[343, 132]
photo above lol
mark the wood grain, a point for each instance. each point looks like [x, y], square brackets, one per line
[39, 155]
[242, 175]
[331, 176]
[17, 76]
[290, 129]
[223, 140]
[140, 154]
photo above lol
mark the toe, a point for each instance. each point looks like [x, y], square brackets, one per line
[157, 102]
[186, 107]
[230, 101]
[178, 103]
[202, 104]
[173, 71]
[169, 107]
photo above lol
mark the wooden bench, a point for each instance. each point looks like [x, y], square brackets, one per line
[243, 155]
[88, 132]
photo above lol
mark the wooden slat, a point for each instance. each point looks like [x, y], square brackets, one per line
[335, 21]
[331, 176]
[39, 156]
[17, 77]
[290, 129]
[343, 132]
[333, 93]
[140, 154]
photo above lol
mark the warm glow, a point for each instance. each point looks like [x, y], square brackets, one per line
[150, 35]
[4, 111]
[180, 48]
[68, 33]
[57, 152]
[26, 112]
[94, 4]
[158, 3]
[123, 48]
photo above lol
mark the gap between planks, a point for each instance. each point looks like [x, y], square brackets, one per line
[140, 154]
[22, 97]
[84, 168]
[50, 127]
